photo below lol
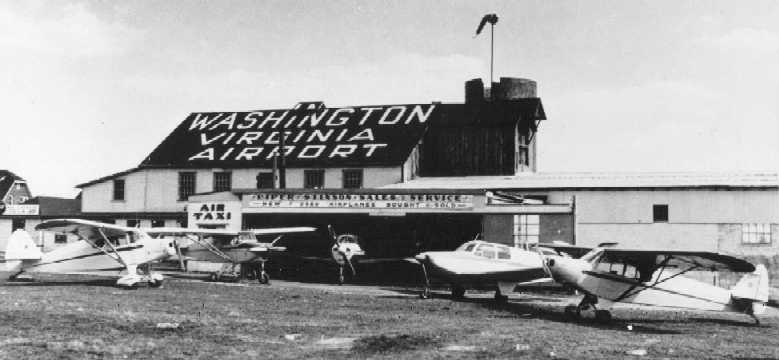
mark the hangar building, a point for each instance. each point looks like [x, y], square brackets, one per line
[414, 177]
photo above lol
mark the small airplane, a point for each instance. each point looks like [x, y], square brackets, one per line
[242, 247]
[655, 277]
[479, 262]
[226, 246]
[101, 247]
[344, 252]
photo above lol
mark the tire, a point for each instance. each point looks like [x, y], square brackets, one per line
[458, 292]
[264, 279]
[572, 312]
[501, 299]
[603, 316]
[214, 277]
[156, 283]
[425, 294]
[341, 279]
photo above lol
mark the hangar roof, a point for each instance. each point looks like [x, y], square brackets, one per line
[594, 180]
[318, 136]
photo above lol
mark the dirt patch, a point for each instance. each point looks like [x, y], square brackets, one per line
[382, 344]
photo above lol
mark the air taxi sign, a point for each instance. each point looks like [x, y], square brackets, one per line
[367, 201]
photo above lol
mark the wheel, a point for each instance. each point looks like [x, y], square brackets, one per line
[264, 279]
[133, 286]
[603, 316]
[572, 312]
[155, 283]
[501, 299]
[458, 292]
[341, 279]
[425, 294]
[214, 277]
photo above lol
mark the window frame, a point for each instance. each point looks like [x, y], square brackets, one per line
[60, 239]
[757, 231]
[260, 180]
[116, 193]
[306, 176]
[345, 177]
[658, 210]
[229, 178]
[184, 195]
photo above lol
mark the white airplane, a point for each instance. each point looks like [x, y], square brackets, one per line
[655, 277]
[101, 247]
[226, 246]
[480, 262]
[241, 247]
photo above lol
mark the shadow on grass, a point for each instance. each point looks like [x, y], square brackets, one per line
[527, 307]
[90, 282]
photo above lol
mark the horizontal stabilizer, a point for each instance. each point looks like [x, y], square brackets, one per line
[21, 247]
[753, 286]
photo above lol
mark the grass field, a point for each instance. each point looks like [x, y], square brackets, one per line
[89, 318]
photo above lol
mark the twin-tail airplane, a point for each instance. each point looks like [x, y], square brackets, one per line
[101, 247]
[481, 262]
[656, 277]
[242, 247]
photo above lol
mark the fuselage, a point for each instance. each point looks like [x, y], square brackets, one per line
[82, 256]
[665, 287]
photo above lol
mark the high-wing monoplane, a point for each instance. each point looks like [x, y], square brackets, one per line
[481, 262]
[101, 247]
[243, 247]
[227, 246]
[656, 277]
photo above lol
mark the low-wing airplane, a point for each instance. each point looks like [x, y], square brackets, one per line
[480, 262]
[101, 247]
[242, 247]
[227, 246]
[344, 251]
[655, 277]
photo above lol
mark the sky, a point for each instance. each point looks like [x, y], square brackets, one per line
[89, 88]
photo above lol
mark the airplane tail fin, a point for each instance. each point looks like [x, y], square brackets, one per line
[21, 247]
[753, 286]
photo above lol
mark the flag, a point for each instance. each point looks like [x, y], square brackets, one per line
[489, 18]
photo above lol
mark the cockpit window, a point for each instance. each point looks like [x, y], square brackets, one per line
[486, 250]
[466, 247]
[504, 252]
[347, 238]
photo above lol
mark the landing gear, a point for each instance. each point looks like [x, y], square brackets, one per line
[425, 294]
[458, 292]
[603, 316]
[574, 312]
[500, 298]
[264, 278]
[341, 277]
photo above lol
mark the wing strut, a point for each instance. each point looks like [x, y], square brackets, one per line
[630, 292]
[210, 247]
[115, 254]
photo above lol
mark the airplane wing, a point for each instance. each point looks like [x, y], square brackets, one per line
[85, 229]
[700, 260]
[190, 231]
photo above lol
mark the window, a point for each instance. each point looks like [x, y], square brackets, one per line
[313, 179]
[526, 230]
[157, 223]
[133, 223]
[659, 213]
[223, 181]
[485, 250]
[265, 180]
[17, 224]
[352, 178]
[504, 252]
[186, 185]
[755, 234]
[119, 189]
[60, 239]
